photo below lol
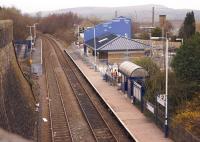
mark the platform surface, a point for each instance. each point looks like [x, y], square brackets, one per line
[141, 128]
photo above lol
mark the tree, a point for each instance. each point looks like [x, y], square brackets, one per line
[179, 91]
[157, 32]
[189, 116]
[20, 21]
[168, 26]
[144, 35]
[189, 27]
[154, 84]
[186, 63]
[61, 25]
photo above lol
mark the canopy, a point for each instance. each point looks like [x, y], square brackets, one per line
[132, 70]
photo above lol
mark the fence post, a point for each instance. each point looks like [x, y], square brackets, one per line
[156, 111]
[142, 99]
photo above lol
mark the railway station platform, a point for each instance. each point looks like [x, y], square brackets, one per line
[139, 127]
[36, 56]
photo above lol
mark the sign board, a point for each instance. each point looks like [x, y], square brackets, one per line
[137, 91]
[150, 107]
[161, 99]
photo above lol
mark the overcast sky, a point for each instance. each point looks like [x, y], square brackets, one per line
[29, 6]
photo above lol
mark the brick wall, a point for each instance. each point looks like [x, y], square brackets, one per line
[118, 57]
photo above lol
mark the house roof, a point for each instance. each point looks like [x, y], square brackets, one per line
[123, 43]
[101, 40]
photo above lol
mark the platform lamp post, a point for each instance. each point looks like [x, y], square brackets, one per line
[166, 83]
[30, 31]
[34, 26]
[166, 86]
[95, 53]
[78, 32]
[31, 42]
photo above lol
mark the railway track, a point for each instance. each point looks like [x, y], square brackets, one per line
[98, 125]
[60, 131]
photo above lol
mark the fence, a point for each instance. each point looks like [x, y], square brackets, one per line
[156, 113]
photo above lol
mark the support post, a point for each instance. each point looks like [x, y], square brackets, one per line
[166, 89]
[95, 52]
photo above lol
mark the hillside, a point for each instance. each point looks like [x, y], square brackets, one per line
[141, 13]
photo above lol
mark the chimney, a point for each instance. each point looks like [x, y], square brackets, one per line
[153, 13]
[162, 21]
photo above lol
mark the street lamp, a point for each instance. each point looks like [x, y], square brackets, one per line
[78, 32]
[166, 82]
[30, 35]
[34, 26]
[95, 54]
[166, 87]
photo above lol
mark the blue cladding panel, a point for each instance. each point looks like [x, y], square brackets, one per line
[120, 26]
[27, 42]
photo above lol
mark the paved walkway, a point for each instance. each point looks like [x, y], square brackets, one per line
[140, 127]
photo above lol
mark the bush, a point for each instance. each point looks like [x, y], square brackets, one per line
[189, 116]
[186, 63]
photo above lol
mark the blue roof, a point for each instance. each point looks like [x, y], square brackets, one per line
[120, 26]
[101, 40]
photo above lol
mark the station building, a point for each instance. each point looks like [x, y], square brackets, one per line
[112, 42]
[115, 49]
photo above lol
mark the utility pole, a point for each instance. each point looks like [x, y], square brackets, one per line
[127, 55]
[41, 50]
[78, 30]
[95, 52]
[163, 43]
[34, 26]
[31, 42]
[162, 20]
[166, 87]
[30, 31]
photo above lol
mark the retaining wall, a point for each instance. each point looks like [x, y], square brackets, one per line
[17, 102]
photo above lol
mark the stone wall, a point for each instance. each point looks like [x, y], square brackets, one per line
[6, 32]
[8, 137]
[17, 102]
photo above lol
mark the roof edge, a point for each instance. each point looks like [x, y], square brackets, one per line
[109, 42]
